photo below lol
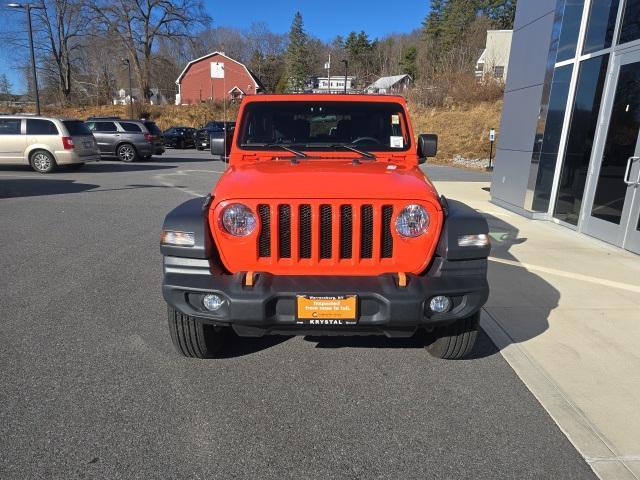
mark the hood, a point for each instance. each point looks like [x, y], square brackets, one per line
[320, 179]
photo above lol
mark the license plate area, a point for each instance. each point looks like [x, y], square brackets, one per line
[326, 310]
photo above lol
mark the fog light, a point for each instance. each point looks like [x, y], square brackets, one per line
[212, 302]
[440, 304]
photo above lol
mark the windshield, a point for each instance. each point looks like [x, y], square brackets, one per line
[371, 126]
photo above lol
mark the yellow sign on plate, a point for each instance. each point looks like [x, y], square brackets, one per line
[331, 310]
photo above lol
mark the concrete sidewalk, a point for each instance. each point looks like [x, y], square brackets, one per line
[565, 312]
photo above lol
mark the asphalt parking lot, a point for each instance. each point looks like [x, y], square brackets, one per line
[92, 388]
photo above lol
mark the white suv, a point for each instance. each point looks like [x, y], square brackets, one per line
[44, 143]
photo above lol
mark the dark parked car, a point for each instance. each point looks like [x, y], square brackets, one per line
[203, 135]
[129, 140]
[180, 137]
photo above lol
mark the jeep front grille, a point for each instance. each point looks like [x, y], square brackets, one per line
[325, 232]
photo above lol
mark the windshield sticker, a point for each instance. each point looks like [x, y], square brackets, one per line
[395, 119]
[397, 142]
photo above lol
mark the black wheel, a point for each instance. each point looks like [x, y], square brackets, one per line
[127, 153]
[42, 162]
[456, 341]
[75, 166]
[199, 149]
[193, 338]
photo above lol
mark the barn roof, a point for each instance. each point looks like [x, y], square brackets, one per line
[209, 55]
[387, 82]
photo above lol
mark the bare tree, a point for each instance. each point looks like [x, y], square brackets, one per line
[139, 24]
[63, 24]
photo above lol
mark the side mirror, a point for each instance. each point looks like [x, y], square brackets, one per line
[427, 146]
[221, 144]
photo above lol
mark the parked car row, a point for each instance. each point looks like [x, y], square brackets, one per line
[46, 143]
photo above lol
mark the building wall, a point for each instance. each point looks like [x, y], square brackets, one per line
[198, 86]
[522, 100]
[497, 51]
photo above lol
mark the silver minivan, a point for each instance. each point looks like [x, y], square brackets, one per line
[44, 142]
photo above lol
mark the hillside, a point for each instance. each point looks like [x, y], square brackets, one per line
[463, 129]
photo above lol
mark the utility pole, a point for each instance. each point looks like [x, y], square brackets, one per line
[28, 7]
[328, 67]
[127, 62]
[346, 74]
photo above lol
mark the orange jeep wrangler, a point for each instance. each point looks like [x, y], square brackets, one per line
[324, 224]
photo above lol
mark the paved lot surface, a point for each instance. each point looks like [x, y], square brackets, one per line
[91, 386]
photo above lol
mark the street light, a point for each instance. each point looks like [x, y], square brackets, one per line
[346, 72]
[28, 7]
[128, 64]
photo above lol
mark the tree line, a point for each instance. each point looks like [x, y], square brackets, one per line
[82, 46]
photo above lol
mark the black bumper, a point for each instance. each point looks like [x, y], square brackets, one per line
[269, 306]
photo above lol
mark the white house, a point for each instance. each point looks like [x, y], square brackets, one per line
[494, 60]
[395, 84]
[333, 85]
[122, 97]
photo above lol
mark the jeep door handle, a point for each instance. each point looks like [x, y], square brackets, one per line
[627, 171]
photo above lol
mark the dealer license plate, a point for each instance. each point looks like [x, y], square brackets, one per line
[327, 310]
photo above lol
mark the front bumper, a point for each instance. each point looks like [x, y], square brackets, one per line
[269, 306]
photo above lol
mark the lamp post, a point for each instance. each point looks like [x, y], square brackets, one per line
[28, 7]
[128, 64]
[346, 72]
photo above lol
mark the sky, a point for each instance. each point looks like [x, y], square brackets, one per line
[322, 19]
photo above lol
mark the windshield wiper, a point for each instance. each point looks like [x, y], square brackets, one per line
[354, 149]
[297, 153]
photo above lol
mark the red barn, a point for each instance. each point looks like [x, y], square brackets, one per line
[196, 83]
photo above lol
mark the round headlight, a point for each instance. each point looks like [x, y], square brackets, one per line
[413, 221]
[238, 220]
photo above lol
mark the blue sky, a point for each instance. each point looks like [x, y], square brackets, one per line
[322, 19]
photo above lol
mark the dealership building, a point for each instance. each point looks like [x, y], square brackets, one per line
[568, 150]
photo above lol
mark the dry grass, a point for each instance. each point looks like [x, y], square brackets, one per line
[463, 130]
[164, 115]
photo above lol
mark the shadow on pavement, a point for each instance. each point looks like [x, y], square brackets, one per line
[169, 158]
[15, 188]
[241, 346]
[93, 167]
[104, 167]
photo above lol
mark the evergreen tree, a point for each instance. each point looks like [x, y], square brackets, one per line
[432, 25]
[457, 16]
[501, 12]
[297, 55]
[408, 61]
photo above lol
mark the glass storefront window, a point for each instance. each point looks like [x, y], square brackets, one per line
[570, 28]
[630, 28]
[547, 149]
[584, 120]
[620, 145]
[602, 23]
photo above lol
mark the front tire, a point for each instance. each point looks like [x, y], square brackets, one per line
[455, 341]
[192, 337]
[42, 162]
[127, 153]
